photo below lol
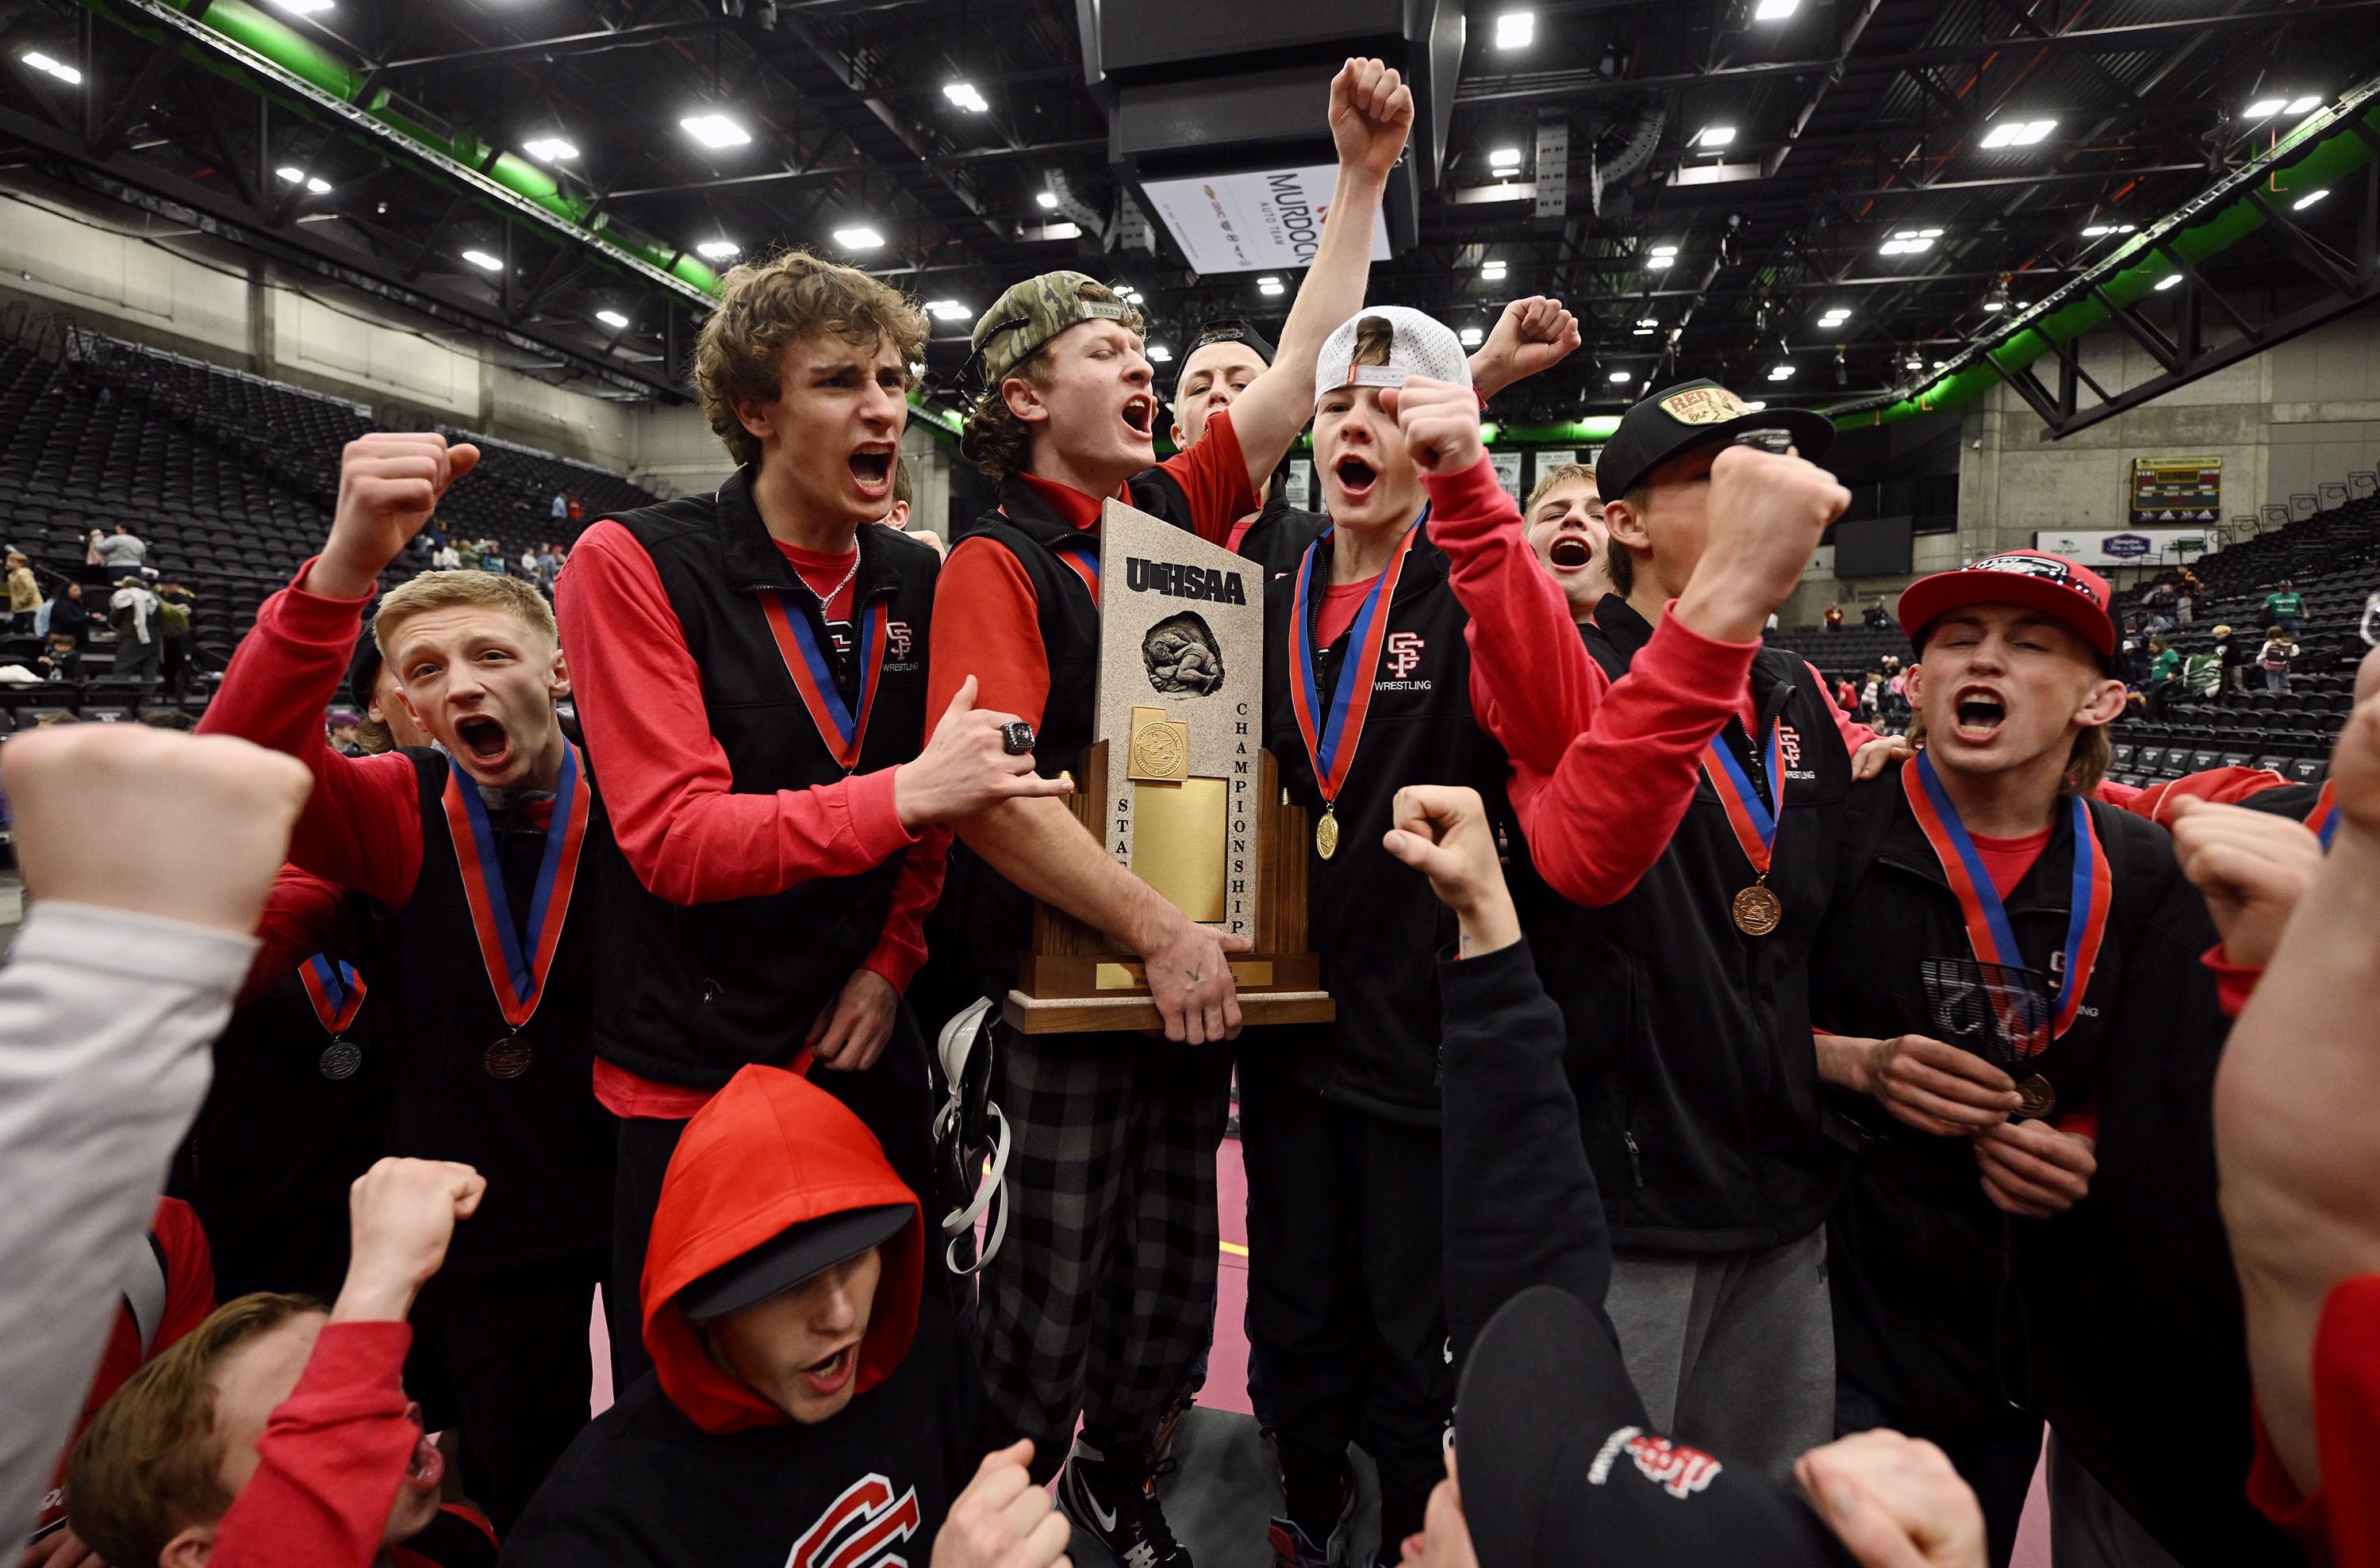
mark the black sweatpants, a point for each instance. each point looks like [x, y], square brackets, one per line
[1345, 1298]
[893, 1098]
[503, 1355]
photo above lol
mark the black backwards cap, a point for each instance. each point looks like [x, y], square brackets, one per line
[1223, 329]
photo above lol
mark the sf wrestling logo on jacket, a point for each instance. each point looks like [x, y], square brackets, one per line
[860, 1528]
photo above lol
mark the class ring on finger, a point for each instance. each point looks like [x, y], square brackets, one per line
[1016, 737]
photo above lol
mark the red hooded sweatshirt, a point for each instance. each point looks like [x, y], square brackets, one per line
[693, 1468]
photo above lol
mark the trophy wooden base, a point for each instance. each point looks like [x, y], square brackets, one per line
[1079, 1015]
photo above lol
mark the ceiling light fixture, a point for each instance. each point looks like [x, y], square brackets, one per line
[1659, 260]
[1270, 286]
[42, 62]
[1619, 375]
[715, 130]
[718, 249]
[1996, 300]
[483, 260]
[2018, 133]
[2303, 106]
[1640, 332]
[1714, 136]
[2167, 282]
[303, 7]
[1781, 372]
[860, 239]
[1472, 337]
[2308, 199]
[1908, 242]
[1502, 155]
[964, 94]
[1516, 30]
[1754, 406]
[2265, 108]
[549, 150]
[1159, 354]
[1049, 201]
[612, 319]
[947, 310]
[1491, 272]
[1775, 10]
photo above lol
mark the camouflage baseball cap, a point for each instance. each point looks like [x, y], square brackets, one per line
[1030, 314]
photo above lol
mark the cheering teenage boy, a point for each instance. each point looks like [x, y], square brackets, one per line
[1100, 1305]
[1682, 788]
[2000, 944]
[751, 674]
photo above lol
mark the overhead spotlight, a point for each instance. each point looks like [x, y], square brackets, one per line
[2305, 105]
[1516, 30]
[715, 130]
[1472, 337]
[1132, 296]
[1836, 314]
[1775, 10]
[1915, 364]
[1714, 136]
[1618, 376]
[1491, 272]
[1929, 234]
[1753, 405]
[1270, 286]
[860, 239]
[59, 69]
[2096, 230]
[549, 150]
[2018, 133]
[2308, 199]
[483, 260]
[947, 310]
[1659, 260]
[1665, 250]
[717, 249]
[1049, 201]
[2167, 282]
[1908, 242]
[304, 7]
[2265, 108]
[612, 319]
[322, 187]
[1158, 354]
[1998, 299]
[1647, 322]
[1640, 332]
[964, 95]
[1781, 372]
[1504, 171]
[291, 174]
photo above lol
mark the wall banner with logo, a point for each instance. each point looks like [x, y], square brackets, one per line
[1248, 222]
[2129, 547]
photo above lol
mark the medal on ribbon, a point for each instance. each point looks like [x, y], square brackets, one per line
[1082, 553]
[1333, 736]
[2324, 819]
[1757, 909]
[517, 957]
[811, 666]
[337, 992]
[2028, 1026]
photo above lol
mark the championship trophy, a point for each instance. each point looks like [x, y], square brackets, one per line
[1179, 789]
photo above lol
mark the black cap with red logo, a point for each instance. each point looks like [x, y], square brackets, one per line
[2036, 580]
[1557, 1468]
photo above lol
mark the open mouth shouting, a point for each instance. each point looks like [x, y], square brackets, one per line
[1571, 552]
[827, 1376]
[871, 467]
[1355, 476]
[1141, 414]
[1980, 713]
[484, 740]
[426, 1469]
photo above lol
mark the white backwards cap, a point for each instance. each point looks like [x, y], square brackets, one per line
[1418, 345]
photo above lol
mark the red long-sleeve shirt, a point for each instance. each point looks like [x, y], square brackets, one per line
[303, 915]
[2340, 1524]
[331, 1460]
[691, 838]
[1602, 770]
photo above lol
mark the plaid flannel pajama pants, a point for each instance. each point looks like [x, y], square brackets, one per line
[1103, 1294]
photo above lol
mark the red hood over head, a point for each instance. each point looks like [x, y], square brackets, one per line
[771, 1151]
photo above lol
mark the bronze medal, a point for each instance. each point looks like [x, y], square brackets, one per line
[2036, 1098]
[339, 1061]
[1326, 833]
[1758, 911]
[508, 1058]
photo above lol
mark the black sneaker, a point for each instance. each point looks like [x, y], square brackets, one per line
[1292, 1547]
[1115, 1503]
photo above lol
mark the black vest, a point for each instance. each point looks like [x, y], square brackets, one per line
[1277, 539]
[1373, 920]
[688, 994]
[540, 1138]
[1689, 1041]
[995, 916]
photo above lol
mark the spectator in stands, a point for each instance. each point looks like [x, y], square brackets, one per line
[2160, 624]
[528, 565]
[1833, 618]
[549, 566]
[446, 558]
[2185, 597]
[341, 731]
[2274, 661]
[575, 507]
[133, 611]
[91, 549]
[63, 661]
[1871, 700]
[2232, 654]
[2285, 606]
[273, 1432]
[24, 593]
[1896, 694]
[174, 605]
[2164, 673]
[124, 551]
[1877, 617]
[561, 508]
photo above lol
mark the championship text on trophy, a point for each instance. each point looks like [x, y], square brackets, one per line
[1180, 788]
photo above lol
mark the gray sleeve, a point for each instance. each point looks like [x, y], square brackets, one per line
[105, 1020]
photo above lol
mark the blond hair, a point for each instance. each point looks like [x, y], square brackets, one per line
[1564, 474]
[151, 1463]
[446, 590]
[765, 307]
[994, 438]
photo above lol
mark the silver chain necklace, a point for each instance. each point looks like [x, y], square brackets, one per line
[827, 599]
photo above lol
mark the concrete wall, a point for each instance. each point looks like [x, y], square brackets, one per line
[2282, 422]
[123, 275]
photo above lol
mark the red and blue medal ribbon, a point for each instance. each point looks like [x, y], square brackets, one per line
[1754, 819]
[812, 667]
[2324, 818]
[1988, 931]
[518, 958]
[1331, 737]
[1082, 553]
[336, 989]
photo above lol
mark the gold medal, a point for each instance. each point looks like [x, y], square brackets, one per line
[1326, 833]
[1758, 911]
[2036, 1098]
[508, 1058]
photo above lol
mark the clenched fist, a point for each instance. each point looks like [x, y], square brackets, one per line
[390, 482]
